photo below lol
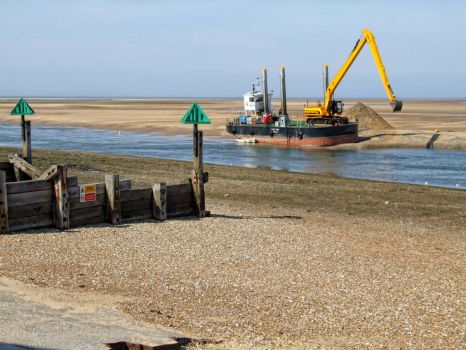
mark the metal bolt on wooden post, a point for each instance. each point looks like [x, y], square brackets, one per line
[159, 205]
[61, 217]
[3, 204]
[112, 187]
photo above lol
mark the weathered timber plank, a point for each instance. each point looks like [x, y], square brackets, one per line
[73, 192]
[61, 217]
[178, 189]
[145, 203]
[31, 210]
[76, 204]
[137, 215]
[90, 212]
[9, 169]
[88, 221]
[113, 200]
[50, 173]
[179, 206]
[139, 194]
[197, 181]
[31, 222]
[179, 213]
[27, 148]
[159, 205]
[29, 197]
[4, 227]
[28, 186]
[5, 165]
[181, 198]
[24, 166]
[72, 181]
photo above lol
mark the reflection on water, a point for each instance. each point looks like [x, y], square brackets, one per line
[420, 166]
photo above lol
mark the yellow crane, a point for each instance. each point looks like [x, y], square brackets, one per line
[331, 108]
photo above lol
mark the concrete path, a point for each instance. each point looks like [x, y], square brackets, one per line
[43, 318]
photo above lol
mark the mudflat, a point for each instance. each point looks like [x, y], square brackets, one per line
[286, 261]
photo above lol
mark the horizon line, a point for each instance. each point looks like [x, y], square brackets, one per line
[149, 98]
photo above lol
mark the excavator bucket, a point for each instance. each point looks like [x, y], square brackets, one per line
[397, 106]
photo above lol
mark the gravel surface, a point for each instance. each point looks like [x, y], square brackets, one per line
[291, 261]
[251, 278]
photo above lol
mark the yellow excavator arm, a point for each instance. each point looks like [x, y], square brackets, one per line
[326, 108]
[367, 37]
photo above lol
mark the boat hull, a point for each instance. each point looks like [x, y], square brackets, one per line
[320, 136]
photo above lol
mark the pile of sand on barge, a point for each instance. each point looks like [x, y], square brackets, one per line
[366, 117]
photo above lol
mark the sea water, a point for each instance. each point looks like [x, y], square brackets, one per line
[432, 167]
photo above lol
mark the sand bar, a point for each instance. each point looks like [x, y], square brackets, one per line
[414, 126]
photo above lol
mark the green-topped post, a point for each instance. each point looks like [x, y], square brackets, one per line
[195, 116]
[22, 108]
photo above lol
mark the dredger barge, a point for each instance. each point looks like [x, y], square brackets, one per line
[259, 125]
[322, 125]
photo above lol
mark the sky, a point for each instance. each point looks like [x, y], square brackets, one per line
[142, 48]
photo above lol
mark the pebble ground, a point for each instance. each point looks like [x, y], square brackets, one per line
[265, 279]
[286, 261]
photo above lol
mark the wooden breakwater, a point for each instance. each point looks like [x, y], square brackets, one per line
[60, 201]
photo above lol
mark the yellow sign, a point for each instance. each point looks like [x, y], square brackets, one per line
[87, 193]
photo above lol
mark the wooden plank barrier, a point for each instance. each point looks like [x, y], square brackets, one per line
[4, 227]
[136, 204]
[61, 213]
[30, 204]
[9, 170]
[112, 189]
[56, 202]
[94, 212]
[179, 200]
[159, 205]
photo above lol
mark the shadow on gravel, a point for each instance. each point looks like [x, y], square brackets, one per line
[237, 217]
[5, 346]
[180, 344]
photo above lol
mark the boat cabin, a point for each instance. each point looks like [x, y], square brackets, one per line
[254, 103]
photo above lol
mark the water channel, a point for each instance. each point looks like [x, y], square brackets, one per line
[446, 168]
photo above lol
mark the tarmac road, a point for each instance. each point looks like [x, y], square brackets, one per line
[38, 318]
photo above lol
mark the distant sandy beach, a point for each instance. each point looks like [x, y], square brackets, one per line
[420, 122]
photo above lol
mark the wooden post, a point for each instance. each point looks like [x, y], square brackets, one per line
[49, 174]
[159, 205]
[23, 166]
[27, 148]
[61, 217]
[3, 204]
[112, 187]
[26, 140]
[197, 176]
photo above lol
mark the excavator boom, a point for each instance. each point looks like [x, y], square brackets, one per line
[367, 37]
[330, 107]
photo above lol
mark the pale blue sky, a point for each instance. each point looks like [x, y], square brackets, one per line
[143, 48]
